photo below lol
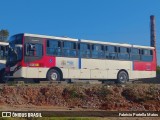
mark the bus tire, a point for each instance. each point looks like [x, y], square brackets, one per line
[53, 75]
[36, 80]
[122, 77]
[2, 73]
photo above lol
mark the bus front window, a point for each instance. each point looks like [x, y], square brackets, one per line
[15, 48]
[15, 54]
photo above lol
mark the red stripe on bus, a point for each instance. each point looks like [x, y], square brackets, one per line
[45, 61]
[146, 66]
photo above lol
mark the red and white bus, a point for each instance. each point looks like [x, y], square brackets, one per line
[58, 58]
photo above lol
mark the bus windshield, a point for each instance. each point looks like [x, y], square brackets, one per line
[15, 48]
[14, 54]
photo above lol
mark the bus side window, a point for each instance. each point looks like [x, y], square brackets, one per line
[54, 47]
[84, 50]
[39, 51]
[135, 54]
[97, 51]
[123, 53]
[146, 55]
[69, 49]
[110, 52]
[33, 49]
[1, 53]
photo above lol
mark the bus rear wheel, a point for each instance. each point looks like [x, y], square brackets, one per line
[122, 77]
[2, 74]
[53, 75]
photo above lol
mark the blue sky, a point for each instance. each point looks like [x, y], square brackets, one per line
[122, 21]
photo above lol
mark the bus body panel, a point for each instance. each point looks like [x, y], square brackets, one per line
[114, 66]
[69, 67]
[64, 62]
[42, 72]
[93, 64]
[74, 73]
[143, 69]
[96, 69]
[92, 68]
[146, 66]
[143, 74]
[22, 72]
[65, 73]
[85, 74]
[32, 72]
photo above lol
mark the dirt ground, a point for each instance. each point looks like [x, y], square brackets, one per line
[129, 97]
[141, 95]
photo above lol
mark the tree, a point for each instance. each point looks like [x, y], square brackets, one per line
[4, 35]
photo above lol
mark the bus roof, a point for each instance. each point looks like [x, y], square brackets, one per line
[89, 41]
[117, 44]
[50, 37]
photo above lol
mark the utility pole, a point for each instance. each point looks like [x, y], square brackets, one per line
[152, 31]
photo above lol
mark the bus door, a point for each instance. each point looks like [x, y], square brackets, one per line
[33, 56]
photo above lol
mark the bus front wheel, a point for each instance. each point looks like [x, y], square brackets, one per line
[53, 75]
[122, 77]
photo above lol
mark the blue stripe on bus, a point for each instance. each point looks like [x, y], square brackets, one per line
[132, 65]
[79, 57]
[79, 63]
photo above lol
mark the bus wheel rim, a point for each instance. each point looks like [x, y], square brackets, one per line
[123, 77]
[54, 76]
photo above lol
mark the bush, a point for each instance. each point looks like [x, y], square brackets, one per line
[158, 69]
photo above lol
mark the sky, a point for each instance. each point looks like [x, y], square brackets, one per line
[120, 21]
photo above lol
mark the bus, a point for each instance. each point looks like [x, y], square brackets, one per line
[58, 58]
[3, 56]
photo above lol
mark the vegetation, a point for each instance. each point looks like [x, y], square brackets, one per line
[4, 35]
[158, 69]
